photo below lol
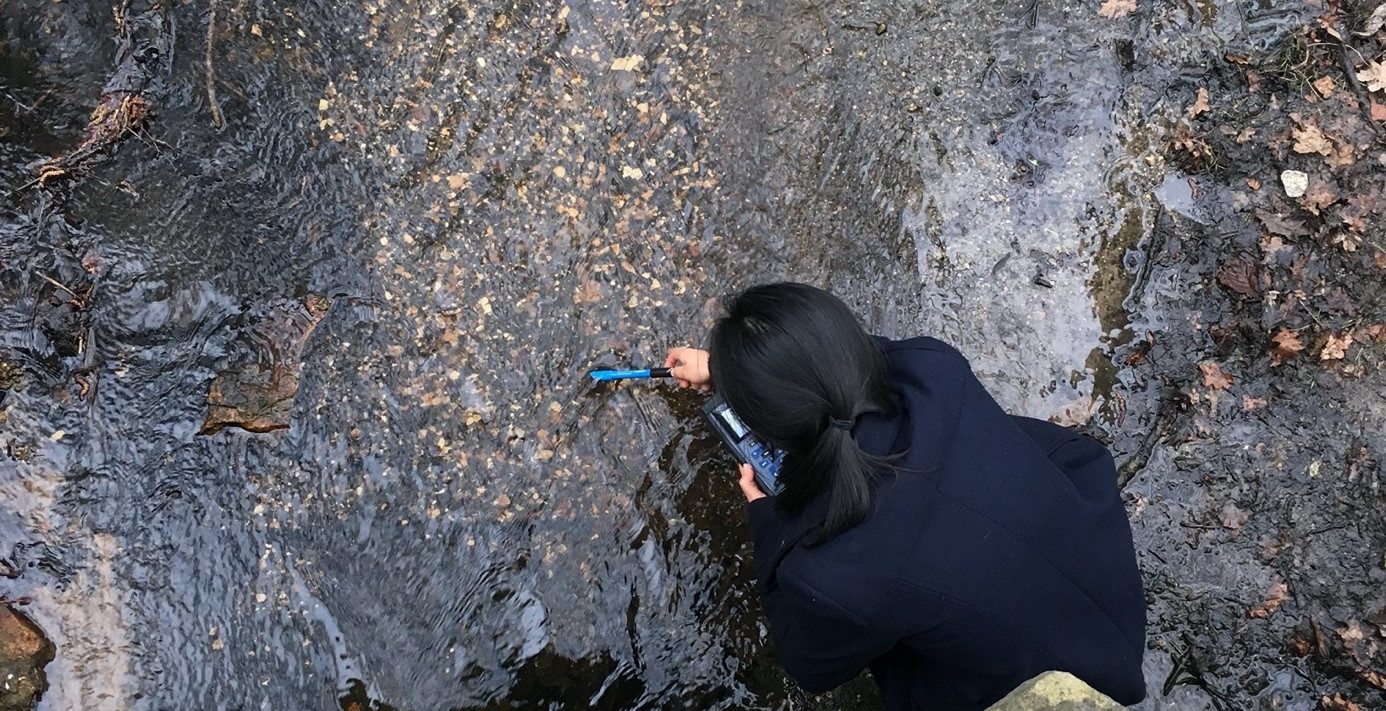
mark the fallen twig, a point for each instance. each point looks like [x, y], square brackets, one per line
[59, 285]
[211, 73]
[1364, 102]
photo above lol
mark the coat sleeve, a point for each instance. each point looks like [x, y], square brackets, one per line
[821, 644]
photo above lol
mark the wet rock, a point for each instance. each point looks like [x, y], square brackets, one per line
[256, 391]
[24, 651]
[1055, 691]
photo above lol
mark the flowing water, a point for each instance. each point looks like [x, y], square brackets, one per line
[448, 213]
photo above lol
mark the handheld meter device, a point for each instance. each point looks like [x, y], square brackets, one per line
[745, 446]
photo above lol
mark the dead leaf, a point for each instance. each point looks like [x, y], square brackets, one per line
[1253, 183]
[1240, 276]
[1338, 702]
[1232, 517]
[1346, 241]
[1114, 9]
[1274, 599]
[1185, 140]
[627, 64]
[1279, 225]
[1336, 346]
[590, 293]
[1285, 345]
[1378, 108]
[1213, 375]
[1374, 76]
[1077, 413]
[1374, 22]
[1325, 86]
[1199, 106]
[1310, 139]
[1343, 154]
[1352, 633]
[1320, 195]
[1270, 245]
[1250, 403]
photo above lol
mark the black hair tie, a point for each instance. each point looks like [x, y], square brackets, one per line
[840, 424]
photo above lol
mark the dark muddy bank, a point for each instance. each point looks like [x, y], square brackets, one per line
[391, 249]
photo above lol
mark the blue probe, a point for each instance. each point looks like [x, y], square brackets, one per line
[608, 375]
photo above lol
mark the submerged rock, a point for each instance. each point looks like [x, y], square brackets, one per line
[24, 651]
[256, 391]
[1055, 691]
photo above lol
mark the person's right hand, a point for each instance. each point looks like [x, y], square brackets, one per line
[689, 368]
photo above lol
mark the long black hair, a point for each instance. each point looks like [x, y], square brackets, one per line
[798, 368]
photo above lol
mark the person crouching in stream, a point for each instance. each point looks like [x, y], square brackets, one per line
[954, 550]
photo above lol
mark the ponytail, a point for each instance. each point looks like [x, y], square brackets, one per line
[850, 473]
[797, 367]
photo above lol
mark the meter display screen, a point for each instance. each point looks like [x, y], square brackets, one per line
[732, 422]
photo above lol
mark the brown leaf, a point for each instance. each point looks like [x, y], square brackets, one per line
[1374, 76]
[1374, 22]
[1299, 644]
[1250, 403]
[1274, 599]
[1114, 9]
[1346, 241]
[1285, 345]
[1378, 108]
[1324, 85]
[1240, 276]
[1336, 346]
[1343, 154]
[1270, 245]
[1320, 195]
[590, 293]
[1352, 633]
[1232, 517]
[1199, 106]
[1309, 139]
[1253, 183]
[1283, 226]
[1338, 702]
[1213, 376]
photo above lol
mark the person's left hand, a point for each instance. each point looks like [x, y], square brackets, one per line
[748, 483]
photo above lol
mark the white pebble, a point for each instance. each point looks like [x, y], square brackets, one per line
[1295, 182]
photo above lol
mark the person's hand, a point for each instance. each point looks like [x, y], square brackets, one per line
[748, 483]
[689, 368]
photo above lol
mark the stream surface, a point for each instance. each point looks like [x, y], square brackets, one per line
[448, 213]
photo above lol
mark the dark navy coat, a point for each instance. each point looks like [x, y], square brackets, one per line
[998, 548]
